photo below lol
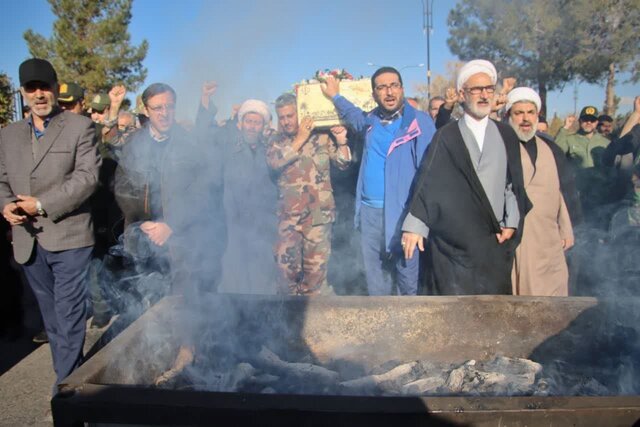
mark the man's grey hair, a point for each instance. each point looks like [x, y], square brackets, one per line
[285, 99]
[126, 114]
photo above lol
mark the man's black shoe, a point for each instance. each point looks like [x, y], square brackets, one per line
[100, 321]
[41, 337]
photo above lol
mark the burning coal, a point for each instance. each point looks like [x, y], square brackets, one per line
[500, 376]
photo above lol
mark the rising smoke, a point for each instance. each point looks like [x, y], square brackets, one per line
[137, 274]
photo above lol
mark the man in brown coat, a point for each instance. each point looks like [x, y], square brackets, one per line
[540, 267]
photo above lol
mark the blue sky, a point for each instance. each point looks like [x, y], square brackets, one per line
[259, 48]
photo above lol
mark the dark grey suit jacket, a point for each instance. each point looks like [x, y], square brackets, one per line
[63, 176]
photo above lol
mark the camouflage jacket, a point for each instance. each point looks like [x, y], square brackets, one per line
[303, 177]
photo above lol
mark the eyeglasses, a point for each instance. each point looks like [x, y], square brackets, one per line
[477, 90]
[162, 108]
[393, 86]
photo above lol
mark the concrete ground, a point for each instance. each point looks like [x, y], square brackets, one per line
[25, 389]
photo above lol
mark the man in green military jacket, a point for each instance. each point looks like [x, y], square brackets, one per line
[585, 149]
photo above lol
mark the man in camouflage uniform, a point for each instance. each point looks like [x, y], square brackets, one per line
[306, 208]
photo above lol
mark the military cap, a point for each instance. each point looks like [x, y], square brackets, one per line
[100, 102]
[589, 112]
[70, 92]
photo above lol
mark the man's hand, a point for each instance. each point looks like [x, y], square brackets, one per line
[569, 121]
[305, 129]
[450, 98]
[208, 90]
[409, 242]
[28, 204]
[158, 232]
[505, 234]
[508, 84]
[340, 133]
[499, 101]
[330, 87]
[567, 243]
[116, 95]
[636, 105]
[13, 214]
[234, 111]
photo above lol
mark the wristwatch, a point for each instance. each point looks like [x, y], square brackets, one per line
[39, 209]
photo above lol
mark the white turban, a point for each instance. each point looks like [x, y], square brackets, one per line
[523, 94]
[254, 106]
[474, 67]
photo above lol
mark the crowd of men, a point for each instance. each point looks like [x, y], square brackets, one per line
[129, 204]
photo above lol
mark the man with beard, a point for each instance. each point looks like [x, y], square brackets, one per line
[605, 126]
[48, 170]
[470, 195]
[396, 136]
[236, 158]
[540, 267]
[300, 157]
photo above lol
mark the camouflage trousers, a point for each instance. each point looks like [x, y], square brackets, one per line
[302, 255]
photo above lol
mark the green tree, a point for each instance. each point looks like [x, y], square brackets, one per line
[6, 100]
[608, 43]
[527, 40]
[91, 46]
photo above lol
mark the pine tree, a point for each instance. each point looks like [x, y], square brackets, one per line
[531, 41]
[6, 100]
[91, 46]
[609, 40]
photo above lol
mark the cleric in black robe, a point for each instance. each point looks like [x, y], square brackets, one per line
[469, 198]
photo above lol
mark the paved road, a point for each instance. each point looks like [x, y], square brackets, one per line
[25, 390]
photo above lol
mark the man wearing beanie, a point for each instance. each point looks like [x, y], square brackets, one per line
[540, 267]
[48, 170]
[236, 155]
[470, 196]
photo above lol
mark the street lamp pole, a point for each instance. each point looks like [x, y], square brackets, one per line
[427, 27]
[18, 111]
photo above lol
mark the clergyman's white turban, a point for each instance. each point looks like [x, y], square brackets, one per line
[521, 94]
[474, 67]
[254, 106]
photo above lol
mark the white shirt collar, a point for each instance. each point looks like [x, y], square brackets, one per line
[477, 127]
